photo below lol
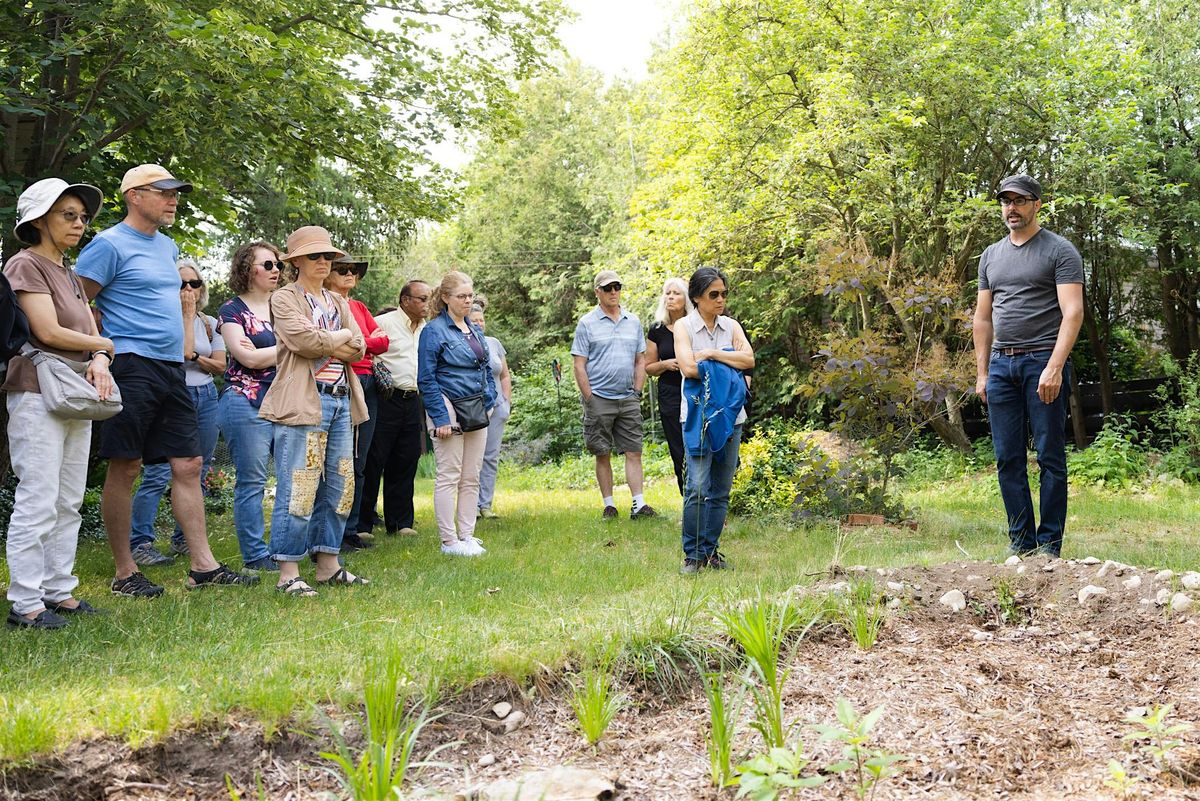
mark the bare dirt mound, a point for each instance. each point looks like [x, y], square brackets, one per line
[1019, 691]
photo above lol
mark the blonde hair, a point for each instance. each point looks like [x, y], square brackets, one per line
[202, 298]
[450, 282]
[661, 314]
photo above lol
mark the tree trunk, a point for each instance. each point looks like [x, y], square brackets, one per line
[1099, 346]
[1078, 421]
[952, 434]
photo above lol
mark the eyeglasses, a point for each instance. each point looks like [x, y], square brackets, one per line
[346, 270]
[269, 266]
[1017, 200]
[72, 216]
[194, 284]
[319, 256]
[464, 296]
[615, 286]
[168, 194]
[718, 293]
[417, 298]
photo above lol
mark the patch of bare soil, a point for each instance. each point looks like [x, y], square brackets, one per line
[1023, 699]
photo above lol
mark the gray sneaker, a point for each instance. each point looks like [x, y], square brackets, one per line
[147, 555]
[179, 546]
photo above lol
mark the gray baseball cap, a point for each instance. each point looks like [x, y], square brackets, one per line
[1021, 184]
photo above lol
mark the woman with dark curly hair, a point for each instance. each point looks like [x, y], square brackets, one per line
[245, 325]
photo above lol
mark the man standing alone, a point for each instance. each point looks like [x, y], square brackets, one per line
[1029, 310]
[129, 270]
[610, 368]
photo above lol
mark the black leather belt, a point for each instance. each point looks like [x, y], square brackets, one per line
[336, 390]
[1019, 351]
[406, 393]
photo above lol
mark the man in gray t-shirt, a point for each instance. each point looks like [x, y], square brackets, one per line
[1027, 317]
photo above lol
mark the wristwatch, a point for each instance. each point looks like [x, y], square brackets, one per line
[195, 357]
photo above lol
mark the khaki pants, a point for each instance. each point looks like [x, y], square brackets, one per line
[459, 458]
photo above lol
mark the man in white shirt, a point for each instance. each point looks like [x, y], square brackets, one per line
[400, 430]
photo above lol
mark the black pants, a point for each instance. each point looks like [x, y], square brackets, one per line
[394, 453]
[668, 411]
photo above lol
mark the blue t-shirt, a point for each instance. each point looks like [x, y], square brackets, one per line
[610, 346]
[139, 299]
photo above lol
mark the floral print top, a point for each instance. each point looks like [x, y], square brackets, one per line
[246, 381]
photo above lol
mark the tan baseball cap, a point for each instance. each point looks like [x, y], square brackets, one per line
[154, 175]
[606, 277]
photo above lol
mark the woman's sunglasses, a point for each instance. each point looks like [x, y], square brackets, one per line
[718, 293]
[346, 270]
[319, 256]
[194, 284]
[270, 266]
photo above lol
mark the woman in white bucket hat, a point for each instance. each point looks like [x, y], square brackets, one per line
[50, 453]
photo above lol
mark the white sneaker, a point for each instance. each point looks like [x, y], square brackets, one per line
[473, 546]
[457, 549]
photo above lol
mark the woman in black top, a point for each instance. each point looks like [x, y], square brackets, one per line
[673, 305]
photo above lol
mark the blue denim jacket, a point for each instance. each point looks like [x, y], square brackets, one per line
[446, 365]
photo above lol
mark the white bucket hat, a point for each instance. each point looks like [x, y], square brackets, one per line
[35, 201]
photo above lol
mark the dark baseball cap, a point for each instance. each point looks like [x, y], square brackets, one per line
[1021, 184]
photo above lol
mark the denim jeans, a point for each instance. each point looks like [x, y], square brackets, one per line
[706, 496]
[250, 439]
[314, 483]
[157, 477]
[1014, 409]
[491, 453]
[363, 435]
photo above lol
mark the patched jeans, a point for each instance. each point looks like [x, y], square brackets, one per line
[314, 483]
[706, 496]
[1015, 410]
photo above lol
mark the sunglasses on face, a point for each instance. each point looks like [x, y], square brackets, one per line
[615, 286]
[346, 270]
[718, 293]
[194, 284]
[72, 216]
[269, 266]
[320, 256]
[1017, 201]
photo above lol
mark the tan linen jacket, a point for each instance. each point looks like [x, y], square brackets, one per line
[293, 399]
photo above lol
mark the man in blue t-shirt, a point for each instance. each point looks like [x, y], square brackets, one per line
[129, 271]
[610, 368]
[1029, 310]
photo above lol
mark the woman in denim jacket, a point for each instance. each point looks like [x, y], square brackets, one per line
[452, 363]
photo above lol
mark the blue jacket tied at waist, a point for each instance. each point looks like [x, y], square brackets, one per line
[714, 401]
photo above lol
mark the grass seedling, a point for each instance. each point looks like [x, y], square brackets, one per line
[668, 651]
[595, 704]
[863, 615]
[768, 776]
[721, 731]
[869, 766]
[1152, 726]
[760, 628]
[390, 736]
[235, 795]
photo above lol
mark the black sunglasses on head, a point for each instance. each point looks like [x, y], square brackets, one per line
[194, 284]
[319, 256]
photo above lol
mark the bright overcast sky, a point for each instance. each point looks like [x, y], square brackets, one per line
[615, 36]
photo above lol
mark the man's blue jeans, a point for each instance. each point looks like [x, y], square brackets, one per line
[314, 483]
[250, 439]
[157, 477]
[1014, 410]
[706, 496]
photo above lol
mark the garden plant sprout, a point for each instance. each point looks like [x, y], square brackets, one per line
[722, 729]
[1153, 727]
[595, 703]
[869, 766]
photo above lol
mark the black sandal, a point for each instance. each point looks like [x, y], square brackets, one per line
[84, 608]
[297, 587]
[342, 577]
[220, 575]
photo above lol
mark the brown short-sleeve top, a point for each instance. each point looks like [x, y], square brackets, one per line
[29, 272]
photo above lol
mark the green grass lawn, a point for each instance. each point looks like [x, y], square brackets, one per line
[557, 582]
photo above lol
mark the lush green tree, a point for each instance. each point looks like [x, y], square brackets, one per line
[261, 104]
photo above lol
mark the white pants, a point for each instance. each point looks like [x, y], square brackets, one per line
[50, 457]
[459, 457]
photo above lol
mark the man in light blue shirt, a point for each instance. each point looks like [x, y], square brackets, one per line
[129, 271]
[610, 368]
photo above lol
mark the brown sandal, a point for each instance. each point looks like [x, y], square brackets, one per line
[296, 587]
[342, 577]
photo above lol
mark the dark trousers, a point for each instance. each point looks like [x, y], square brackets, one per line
[394, 453]
[363, 434]
[1014, 410]
[668, 410]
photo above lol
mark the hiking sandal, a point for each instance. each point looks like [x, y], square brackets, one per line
[219, 575]
[296, 587]
[342, 577]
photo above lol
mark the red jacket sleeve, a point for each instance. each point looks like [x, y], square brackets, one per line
[375, 345]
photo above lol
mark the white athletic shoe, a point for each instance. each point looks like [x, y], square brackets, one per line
[457, 549]
[473, 545]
